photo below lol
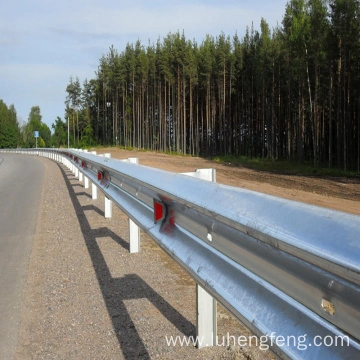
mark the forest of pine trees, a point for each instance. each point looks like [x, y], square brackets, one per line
[292, 92]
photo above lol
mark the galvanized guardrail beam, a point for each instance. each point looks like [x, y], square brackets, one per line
[281, 267]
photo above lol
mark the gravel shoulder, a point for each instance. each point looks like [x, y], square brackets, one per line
[87, 297]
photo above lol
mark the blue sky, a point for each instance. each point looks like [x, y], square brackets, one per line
[44, 42]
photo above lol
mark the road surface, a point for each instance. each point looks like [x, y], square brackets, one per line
[21, 182]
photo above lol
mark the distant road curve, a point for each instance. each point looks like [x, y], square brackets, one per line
[21, 182]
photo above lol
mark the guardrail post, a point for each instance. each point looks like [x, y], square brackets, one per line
[67, 163]
[206, 305]
[134, 230]
[79, 174]
[93, 186]
[134, 237]
[86, 179]
[86, 182]
[108, 202]
[76, 171]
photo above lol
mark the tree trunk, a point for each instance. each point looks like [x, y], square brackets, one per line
[330, 119]
[312, 118]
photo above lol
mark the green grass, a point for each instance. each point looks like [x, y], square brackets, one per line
[284, 166]
[100, 147]
[175, 153]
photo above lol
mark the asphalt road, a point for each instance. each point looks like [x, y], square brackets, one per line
[21, 182]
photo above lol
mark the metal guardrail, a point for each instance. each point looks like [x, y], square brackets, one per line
[285, 269]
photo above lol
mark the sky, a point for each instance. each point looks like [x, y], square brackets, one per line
[44, 42]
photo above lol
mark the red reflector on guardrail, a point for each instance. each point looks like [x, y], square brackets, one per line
[159, 211]
[100, 175]
[83, 164]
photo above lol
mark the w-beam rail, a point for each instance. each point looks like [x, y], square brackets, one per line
[287, 270]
